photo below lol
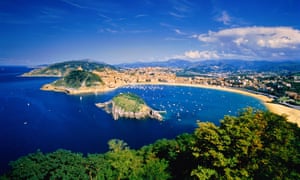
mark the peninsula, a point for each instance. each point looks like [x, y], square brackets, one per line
[77, 80]
[75, 77]
[131, 106]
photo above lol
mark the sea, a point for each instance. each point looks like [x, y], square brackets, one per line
[32, 119]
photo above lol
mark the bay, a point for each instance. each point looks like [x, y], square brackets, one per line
[32, 119]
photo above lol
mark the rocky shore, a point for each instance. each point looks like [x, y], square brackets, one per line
[118, 112]
[75, 91]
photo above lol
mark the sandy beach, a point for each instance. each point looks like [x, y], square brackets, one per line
[293, 115]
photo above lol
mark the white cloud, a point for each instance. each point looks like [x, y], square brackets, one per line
[179, 32]
[270, 37]
[240, 41]
[70, 2]
[176, 15]
[201, 55]
[174, 39]
[107, 30]
[255, 42]
[224, 18]
[141, 15]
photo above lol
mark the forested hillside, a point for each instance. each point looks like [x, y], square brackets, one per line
[253, 145]
[79, 78]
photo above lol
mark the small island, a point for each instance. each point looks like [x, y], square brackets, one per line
[131, 106]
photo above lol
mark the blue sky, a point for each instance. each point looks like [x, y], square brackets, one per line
[117, 31]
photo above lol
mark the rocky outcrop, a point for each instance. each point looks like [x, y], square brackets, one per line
[117, 112]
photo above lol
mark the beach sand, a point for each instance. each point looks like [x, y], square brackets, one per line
[293, 115]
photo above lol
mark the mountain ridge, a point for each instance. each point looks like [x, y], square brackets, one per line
[198, 67]
[209, 66]
[61, 69]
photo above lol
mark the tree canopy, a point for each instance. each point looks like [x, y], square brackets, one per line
[253, 145]
[79, 78]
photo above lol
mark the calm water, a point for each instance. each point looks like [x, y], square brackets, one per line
[32, 119]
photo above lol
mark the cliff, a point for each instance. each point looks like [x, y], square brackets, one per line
[129, 106]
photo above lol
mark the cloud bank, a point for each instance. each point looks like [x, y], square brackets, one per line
[201, 55]
[250, 43]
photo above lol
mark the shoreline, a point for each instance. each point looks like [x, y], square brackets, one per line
[293, 115]
[71, 91]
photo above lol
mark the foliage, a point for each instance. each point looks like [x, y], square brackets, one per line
[59, 164]
[79, 78]
[253, 145]
[129, 102]
[119, 163]
[259, 145]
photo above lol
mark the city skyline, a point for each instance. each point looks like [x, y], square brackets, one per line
[39, 32]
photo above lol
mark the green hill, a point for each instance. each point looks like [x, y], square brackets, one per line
[131, 106]
[79, 78]
[129, 102]
[63, 68]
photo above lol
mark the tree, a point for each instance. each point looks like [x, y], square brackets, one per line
[253, 145]
[256, 144]
[59, 164]
[98, 167]
[117, 145]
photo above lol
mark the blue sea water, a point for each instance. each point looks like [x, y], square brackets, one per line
[32, 119]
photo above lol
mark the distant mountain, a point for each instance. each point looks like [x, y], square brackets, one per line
[63, 68]
[244, 66]
[172, 63]
[187, 67]
[217, 66]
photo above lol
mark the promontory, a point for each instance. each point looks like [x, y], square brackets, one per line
[75, 77]
[128, 105]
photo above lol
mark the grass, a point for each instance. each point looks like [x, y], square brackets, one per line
[129, 102]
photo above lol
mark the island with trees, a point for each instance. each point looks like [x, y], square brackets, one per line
[129, 105]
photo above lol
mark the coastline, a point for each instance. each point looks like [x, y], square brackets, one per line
[71, 91]
[293, 115]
